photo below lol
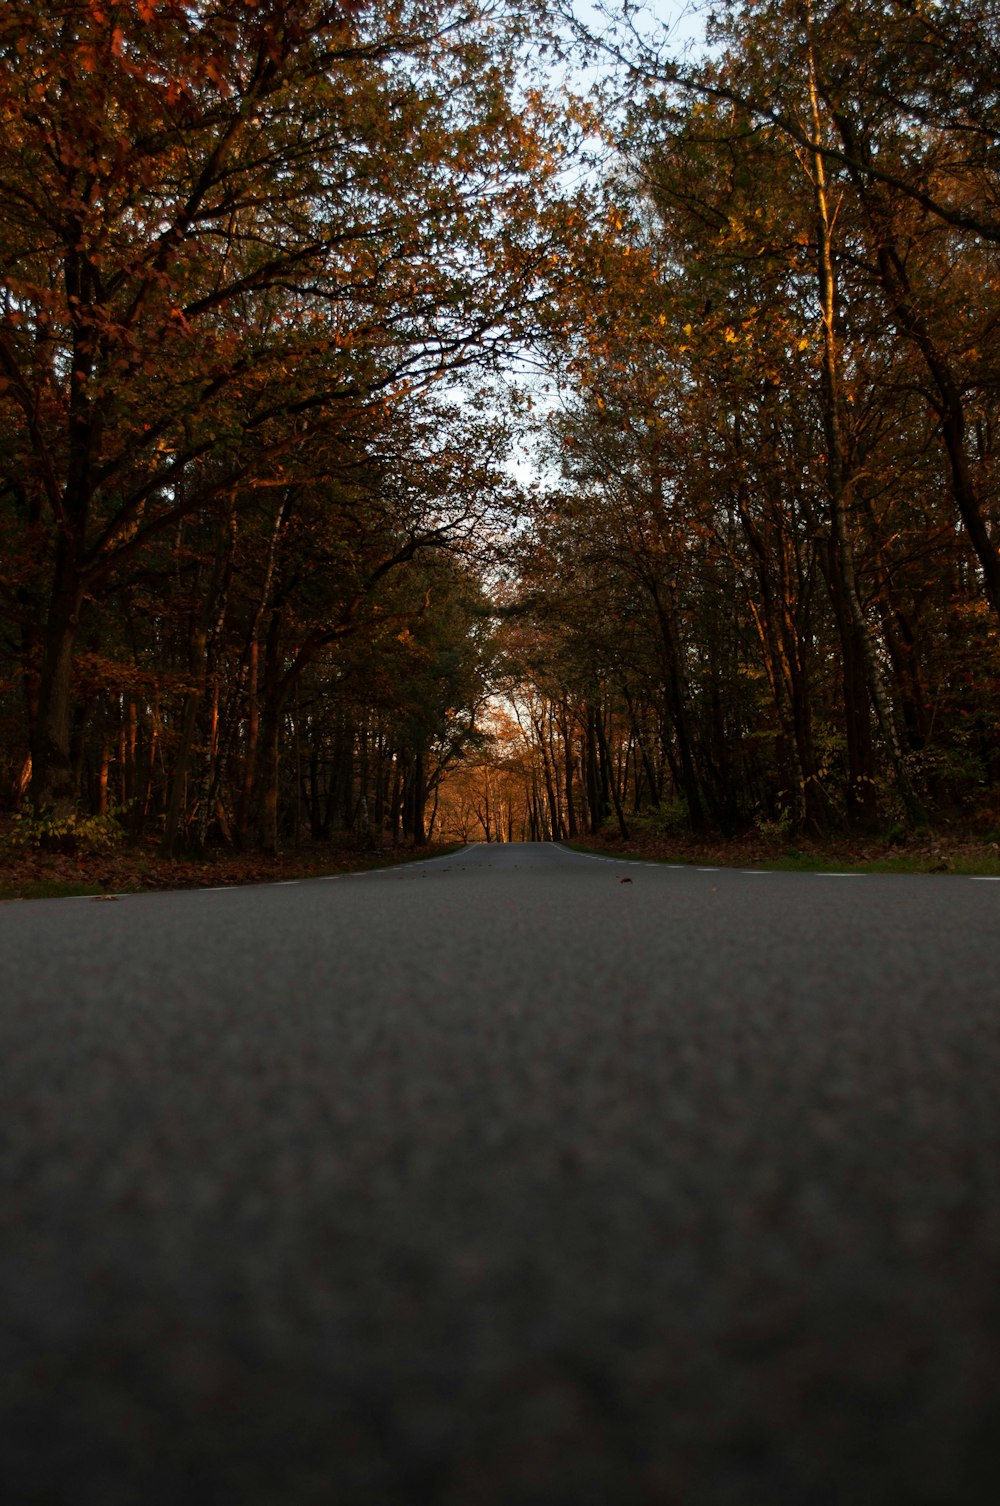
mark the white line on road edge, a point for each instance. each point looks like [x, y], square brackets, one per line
[594, 857]
[284, 883]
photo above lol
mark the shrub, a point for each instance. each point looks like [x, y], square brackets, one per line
[667, 820]
[777, 830]
[92, 835]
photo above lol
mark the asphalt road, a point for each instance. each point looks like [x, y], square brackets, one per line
[497, 1180]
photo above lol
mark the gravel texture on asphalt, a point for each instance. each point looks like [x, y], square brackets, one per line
[497, 1181]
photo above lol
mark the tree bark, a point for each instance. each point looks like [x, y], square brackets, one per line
[610, 778]
[914, 328]
[419, 801]
[53, 787]
[837, 471]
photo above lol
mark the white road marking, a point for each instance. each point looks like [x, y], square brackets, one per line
[975, 878]
[595, 857]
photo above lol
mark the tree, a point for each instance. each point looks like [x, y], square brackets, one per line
[751, 422]
[232, 232]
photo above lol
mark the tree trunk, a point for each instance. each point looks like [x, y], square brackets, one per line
[53, 787]
[837, 471]
[593, 782]
[643, 753]
[266, 779]
[677, 713]
[610, 778]
[396, 799]
[178, 781]
[419, 802]
[914, 328]
[555, 824]
[210, 607]
[564, 730]
[267, 810]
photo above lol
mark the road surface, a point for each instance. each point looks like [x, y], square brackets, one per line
[516, 1178]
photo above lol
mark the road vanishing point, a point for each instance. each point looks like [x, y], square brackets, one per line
[512, 1178]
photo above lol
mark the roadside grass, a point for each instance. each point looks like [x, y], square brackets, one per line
[810, 862]
[959, 860]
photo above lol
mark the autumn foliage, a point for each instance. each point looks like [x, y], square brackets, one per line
[766, 585]
[267, 270]
[244, 245]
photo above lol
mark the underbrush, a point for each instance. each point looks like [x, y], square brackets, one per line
[31, 869]
[91, 836]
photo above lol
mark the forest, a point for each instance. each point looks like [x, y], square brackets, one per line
[291, 288]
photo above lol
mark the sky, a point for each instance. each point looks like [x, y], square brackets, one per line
[684, 18]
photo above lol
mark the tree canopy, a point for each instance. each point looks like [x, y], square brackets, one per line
[267, 271]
